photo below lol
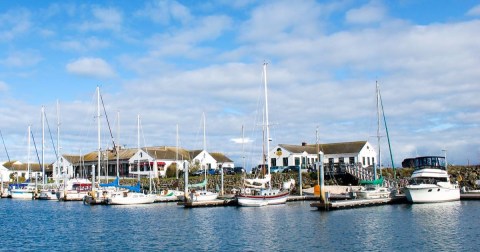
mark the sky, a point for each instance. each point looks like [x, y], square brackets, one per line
[168, 62]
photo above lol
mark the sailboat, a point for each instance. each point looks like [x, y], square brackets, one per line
[167, 195]
[203, 194]
[24, 190]
[49, 190]
[259, 191]
[374, 189]
[132, 196]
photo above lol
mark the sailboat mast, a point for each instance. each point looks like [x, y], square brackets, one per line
[243, 147]
[98, 138]
[117, 147]
[176, 156]
[138, 145]
[378, 133]
[204, 146]
[28, 154]
[266, 116]
[43, 145]
[58, 144]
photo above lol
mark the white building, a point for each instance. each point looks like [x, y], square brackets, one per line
[359, 152]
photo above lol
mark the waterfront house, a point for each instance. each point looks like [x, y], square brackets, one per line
[359, 152]
[222, 160]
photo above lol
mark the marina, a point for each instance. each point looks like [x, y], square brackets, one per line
[168, 226]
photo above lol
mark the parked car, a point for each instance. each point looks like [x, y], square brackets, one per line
[213, 171]
[291, 168]
[228, 171]
[198, 173]
[276, 169]
[238, 170]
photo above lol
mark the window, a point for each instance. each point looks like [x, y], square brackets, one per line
[341, 160]
[330, 160]
[297, 161]
[373, 160]
[363, 160]
[368, 160]
[285, 161]
[273, 161]
[351, 160]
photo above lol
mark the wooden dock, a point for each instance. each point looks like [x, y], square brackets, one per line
[470, 196]
[342, 204]
[211, 203]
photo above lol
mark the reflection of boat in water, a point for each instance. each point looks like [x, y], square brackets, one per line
[430, 182]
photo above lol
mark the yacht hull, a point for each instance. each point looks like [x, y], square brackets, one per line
[262, 200]
[430, 193]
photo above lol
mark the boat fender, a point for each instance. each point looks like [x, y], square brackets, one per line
[248, 191]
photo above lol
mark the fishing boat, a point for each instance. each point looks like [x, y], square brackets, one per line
[430, 182]
[259, 191]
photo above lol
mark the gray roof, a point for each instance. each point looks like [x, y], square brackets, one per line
[331, 148]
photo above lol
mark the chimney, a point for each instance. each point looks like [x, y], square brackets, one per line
[304, 144]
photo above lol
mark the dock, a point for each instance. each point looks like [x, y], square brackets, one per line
[210, 203]
[342, 204]
[470, 196]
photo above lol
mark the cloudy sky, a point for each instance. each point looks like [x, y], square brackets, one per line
[171, 61]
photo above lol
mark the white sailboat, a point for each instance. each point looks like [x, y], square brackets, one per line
[48, 191]
[24, 190]
[374, 189]
[259, 192]
[203, 194]
[168, 195]
[132, 197]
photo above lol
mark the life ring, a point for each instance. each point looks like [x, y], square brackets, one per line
[247, 190]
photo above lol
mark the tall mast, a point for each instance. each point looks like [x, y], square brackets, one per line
[176, 155]
[266, 115]
[117, 146]
[243, 147]
[138, 145]
[98, 138]
[379, 161]
[43, 145]
[58, 144]
[28, 154]
[204, 146]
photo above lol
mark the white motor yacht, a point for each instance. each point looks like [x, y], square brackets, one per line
[430, 182]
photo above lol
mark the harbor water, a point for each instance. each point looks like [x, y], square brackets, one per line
[71, 226]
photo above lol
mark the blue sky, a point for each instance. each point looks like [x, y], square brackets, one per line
[169, 61]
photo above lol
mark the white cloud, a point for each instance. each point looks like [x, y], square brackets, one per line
[104, 19]
[3, 86]
[166, 12]
[14, 23]
[94, 67]
[17, 59]
[84, 44]
[475, 11]
[241, 140]
[372, 12]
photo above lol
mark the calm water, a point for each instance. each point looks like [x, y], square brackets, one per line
[61, 226]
